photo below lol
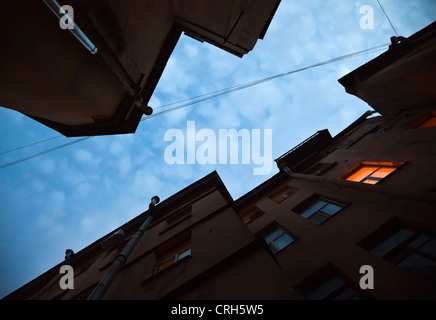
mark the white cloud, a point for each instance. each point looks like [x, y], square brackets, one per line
[82, 155]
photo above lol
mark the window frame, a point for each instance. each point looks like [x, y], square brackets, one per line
[274, 247]
[402, 250]
[174, 252]
[322, 277]
[250, 214]
[282, 193]
[377, 166]
[418, 124]
[320, 168]
[312, 200]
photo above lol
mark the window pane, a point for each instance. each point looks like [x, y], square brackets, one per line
[183, 254]
[325, 288]
[331, 209]
[430, 248]
[273, 235]
[347, 294]
[165, 264]
[416, 261]
[361, 174]
[283, 241]
[418, 242]
[370, 181]
[429, 123]
[392, 242]
[318, 218]
[382, 172]
[312, 208]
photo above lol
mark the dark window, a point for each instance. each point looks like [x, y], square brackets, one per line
[319, 209]
[327, 284]
[173, 254]
[277, 239]
[407, 248]
[250, 214]
[320, 168]
[282, 193]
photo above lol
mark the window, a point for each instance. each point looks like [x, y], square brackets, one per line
[282, 193]
[318, 209]
[277, 239]
[407, 248]
[320, 168]
[426, 122]
[169, 256]
[371, 172]
[327, 284]
[250, 214]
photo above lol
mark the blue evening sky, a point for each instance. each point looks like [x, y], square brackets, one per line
[71, 197]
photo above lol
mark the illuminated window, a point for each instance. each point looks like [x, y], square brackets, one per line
[425, 122]
[282, 193]
[172, 255]
[277, 239]
[406, 247]
[318, 209]
[250, 214]
[371, 172]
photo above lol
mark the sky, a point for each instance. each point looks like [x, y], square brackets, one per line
[71, 197]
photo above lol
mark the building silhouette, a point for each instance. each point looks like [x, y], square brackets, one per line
[365, 197]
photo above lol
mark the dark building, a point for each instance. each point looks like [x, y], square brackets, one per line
[99, 79]
[365, 197]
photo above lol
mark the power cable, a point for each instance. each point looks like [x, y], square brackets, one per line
[203, 97]
[387, 17]
[31, 144]
[43, 152]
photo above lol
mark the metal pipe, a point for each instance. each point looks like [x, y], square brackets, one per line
[121, 259]
[75, 30]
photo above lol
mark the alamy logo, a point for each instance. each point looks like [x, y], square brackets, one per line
[67, 20]
[206, 153]
[66, 281]
[367, 280]
[367, 20]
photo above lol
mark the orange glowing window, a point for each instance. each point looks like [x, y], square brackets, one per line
[425, 122]
[370, 172]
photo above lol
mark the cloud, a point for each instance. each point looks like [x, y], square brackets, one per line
[82, 155]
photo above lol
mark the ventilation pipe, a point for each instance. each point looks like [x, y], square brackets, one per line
[121, 259]
[68, 255]
[75, 30]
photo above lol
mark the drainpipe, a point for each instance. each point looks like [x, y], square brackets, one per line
[76, 31]
[121, 259]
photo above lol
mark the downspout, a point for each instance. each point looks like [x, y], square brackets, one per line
[121, 259]
[75, 30]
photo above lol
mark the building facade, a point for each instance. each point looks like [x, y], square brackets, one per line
[364, 199]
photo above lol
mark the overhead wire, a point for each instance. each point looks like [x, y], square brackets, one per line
[387, 17]
[31, 144]
[193, 100]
